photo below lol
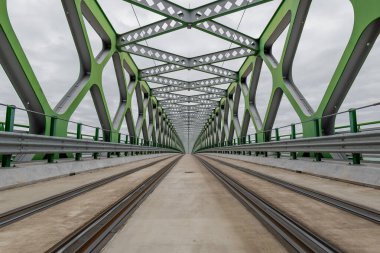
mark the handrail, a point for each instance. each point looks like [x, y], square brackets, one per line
[21, 143]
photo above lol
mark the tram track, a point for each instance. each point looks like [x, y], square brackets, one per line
[347, 206]
[92, 236]
[291, 233]
[25, 211]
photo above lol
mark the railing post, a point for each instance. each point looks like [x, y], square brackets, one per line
[265, 140]
[9, 127]
[132, 141]
[318, 156]
[110, 140]
[79, 136]
[53, 129]
[256, 141]
[96, 138]
[354, 129]
[118, 141]
[278, 154]
[126, 142]
[249, 142]
[293, 137]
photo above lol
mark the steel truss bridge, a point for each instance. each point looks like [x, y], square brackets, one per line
[213, 115]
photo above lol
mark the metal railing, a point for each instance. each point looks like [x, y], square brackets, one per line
[19, 141]
[354, 139]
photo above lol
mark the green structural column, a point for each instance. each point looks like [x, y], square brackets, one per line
[53, 130]
[79, 137]
[293, 137]
[354, 129]
[9, 127]
[96, 138]
[278, 154]
[318, 156]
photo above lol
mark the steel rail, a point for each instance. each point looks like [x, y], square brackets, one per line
[98, 231]
[363, 142]
[22, 143]
[363, 212]
[291, 233]
[22, 212]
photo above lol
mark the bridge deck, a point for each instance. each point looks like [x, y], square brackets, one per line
[190, 210]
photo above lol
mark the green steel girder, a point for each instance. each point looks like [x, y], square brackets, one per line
[151, 121]
[223, 123]
[292, 13]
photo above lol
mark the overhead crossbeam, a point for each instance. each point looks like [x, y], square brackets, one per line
[149, 31]
[221, 8]
[171, 89]
[178, 99]
[196, 15]
[186, 108]
[200, 18]
[161, 69]
[170, 25]
[193, 98]
[160, 55]
[175, 85]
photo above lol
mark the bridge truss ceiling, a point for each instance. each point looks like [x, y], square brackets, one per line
[224, 122]
[151, 119]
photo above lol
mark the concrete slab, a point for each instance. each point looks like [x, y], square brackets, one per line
[345, 231]
[190, 211]
[19, 196]
[358, 194]
[39, 232]
[368, 175]
[31, 173]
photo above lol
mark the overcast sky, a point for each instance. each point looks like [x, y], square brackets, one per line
[44, 34]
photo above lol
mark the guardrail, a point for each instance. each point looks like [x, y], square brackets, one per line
[21, 143]
[356, 143]
[270, 140]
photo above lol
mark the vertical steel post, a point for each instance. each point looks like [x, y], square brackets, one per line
[132, 141]
[96, 138]
[256, 141]
[249, 142]
[265, 140]
[79, 136]
[354, 129]
[109, 140]
[126, 142]
[318, 156]
[293, 137]
[278, 154]
[118, 141]
[9, 127]
[53, 129]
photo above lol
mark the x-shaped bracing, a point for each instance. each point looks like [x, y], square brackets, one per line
[199, 18]
[177, 62]
[175, 85]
